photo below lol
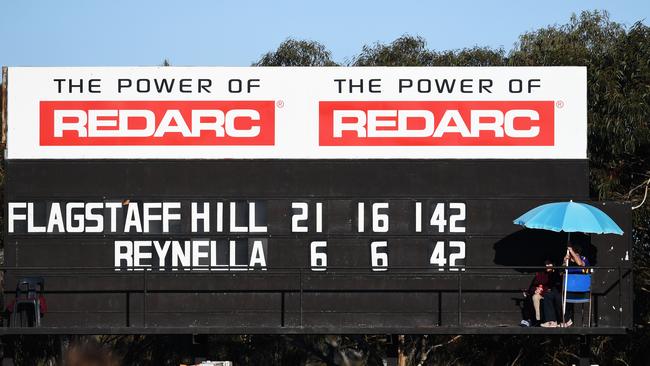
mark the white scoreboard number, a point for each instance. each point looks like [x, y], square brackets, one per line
[318, 255]
[299, 220]
[452, 260]
[374, 218]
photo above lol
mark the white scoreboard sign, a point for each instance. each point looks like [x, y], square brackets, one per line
[297, 113]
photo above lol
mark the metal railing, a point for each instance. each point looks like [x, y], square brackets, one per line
[300, 277]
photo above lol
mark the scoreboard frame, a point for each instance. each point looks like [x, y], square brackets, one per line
[289, 289]
[399, 176]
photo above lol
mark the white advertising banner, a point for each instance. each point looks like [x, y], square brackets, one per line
[297, 113]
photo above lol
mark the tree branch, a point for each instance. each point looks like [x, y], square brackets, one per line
[425, 354]
[645, 183]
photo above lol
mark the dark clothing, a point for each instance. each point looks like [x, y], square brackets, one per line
[548, 281]
[578, 269]
[541, 279]
[552, 305]
[527, 309]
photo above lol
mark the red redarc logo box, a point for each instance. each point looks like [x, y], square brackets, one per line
[69, 123]
[430, 123]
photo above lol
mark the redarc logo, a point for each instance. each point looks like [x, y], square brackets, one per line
[433, 123]
[69, 123]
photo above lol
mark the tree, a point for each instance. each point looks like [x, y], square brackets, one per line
[297, 53]
[618, 84]
[412, 51]
[404, 51]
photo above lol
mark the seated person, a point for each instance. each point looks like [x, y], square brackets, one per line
[552, 303]
[574, 258]
[542, 284]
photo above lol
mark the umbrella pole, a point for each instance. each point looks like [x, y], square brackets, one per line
[566, 274]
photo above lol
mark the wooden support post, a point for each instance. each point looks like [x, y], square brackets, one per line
[585, 351]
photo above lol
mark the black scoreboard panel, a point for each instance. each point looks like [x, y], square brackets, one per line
[347, 245]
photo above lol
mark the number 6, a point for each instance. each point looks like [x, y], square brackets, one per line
[318, 259]
[379, 261]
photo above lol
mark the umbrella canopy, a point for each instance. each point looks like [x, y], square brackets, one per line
[569, 217]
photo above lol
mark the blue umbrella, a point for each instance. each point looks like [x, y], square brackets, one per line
[569, 217]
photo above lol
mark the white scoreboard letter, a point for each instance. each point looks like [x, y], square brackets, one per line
[204, 216]
[252, 226]
[168, 215]
[13, 216]
[125, 255]
[258, 257]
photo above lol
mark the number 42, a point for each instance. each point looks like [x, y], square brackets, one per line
[438, 256]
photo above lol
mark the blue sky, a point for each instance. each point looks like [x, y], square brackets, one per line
[236, 33]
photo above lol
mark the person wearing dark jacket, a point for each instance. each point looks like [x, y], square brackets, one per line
[542, 284]
[553, 300]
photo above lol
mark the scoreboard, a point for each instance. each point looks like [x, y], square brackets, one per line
[270, 200]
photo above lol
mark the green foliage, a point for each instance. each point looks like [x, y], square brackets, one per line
[404, 51]
[412, 51]
[297, 53]
[618, 81]
[477, 56]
